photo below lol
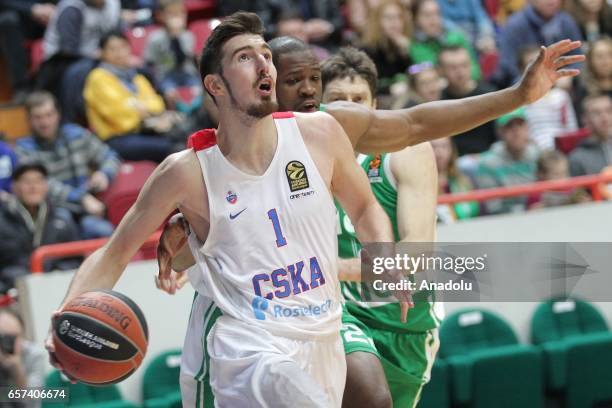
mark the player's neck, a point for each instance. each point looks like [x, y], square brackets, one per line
[249, 147]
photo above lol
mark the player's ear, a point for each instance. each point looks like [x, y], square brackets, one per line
[214, 85]
[374, 103]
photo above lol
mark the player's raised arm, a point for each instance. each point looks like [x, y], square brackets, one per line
[384, 131]
[162, 193]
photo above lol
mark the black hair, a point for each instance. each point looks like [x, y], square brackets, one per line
[236, 24]
[286, 45]
[29, 166]
[112, 34]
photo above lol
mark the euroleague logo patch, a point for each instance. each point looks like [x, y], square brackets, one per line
[296, 176]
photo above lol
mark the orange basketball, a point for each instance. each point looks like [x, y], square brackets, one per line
[100, 337]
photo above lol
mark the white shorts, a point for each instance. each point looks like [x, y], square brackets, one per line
[228, 363]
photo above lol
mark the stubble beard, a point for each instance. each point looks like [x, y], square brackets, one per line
[254, 110]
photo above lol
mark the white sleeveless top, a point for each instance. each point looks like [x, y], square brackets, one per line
[270, 257]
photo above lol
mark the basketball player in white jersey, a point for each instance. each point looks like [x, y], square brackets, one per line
[259, 203]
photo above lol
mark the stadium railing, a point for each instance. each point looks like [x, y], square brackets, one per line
[76, 248]
[595, 183]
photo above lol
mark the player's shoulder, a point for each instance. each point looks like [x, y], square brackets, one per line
[317, 123]
[179, 165]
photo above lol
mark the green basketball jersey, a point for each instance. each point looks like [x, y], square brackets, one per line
[376, 311]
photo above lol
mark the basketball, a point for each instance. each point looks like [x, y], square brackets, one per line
[100, 337]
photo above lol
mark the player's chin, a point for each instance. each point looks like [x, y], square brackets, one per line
[263, 109]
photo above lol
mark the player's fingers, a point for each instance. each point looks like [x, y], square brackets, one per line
[567, 60]
[157, 282]
[404, 311]
[560, 47]
[567, 73]
[182, 280]
[164, 261]
[572, 45]
[540, 57]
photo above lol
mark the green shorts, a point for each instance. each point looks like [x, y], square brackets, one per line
[406, 357]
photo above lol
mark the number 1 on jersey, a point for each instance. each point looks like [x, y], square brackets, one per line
[280, 240]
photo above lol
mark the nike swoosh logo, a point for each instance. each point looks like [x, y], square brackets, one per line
[232, 216]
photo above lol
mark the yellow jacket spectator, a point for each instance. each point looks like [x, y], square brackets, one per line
[124, 110]
[112, 108]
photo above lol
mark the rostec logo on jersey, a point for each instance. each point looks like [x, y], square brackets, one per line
[296, 176]
[310, 310]
[259, 307]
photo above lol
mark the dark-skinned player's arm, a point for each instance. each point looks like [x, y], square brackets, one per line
[174, 256]
[383, 131]
[351, 188]
[163, 192]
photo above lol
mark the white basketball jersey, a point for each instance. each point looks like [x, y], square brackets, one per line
[270, 257]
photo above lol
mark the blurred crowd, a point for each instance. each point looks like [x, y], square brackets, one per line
[118, 81]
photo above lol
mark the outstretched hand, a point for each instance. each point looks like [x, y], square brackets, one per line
[541, 75]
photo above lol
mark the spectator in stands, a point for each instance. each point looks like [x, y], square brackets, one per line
[8, 161]
[293, 25]
[432, 34]
[227, 7]
[21, 19]
[454, 64]
[424, 85]
[452, 180]
[78, 163]
[597, 77]
[323, 19]
[551, 115]
[74, 32]
[471, 17]
[510, 161]
[500, 10]
[137, 12]
[595, 153]
[387, 41]
[540, 23]
[27, 221]
[553, 165]
[169, 52]
[594, 17]
[22, 363]
[358, 12]
[124, 110]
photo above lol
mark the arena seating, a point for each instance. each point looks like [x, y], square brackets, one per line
[125, 188]
[569, 141]
[160, 383]
[82, 396]
[575, 342]
[436, 393]
[201, 30]
[486, 361]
